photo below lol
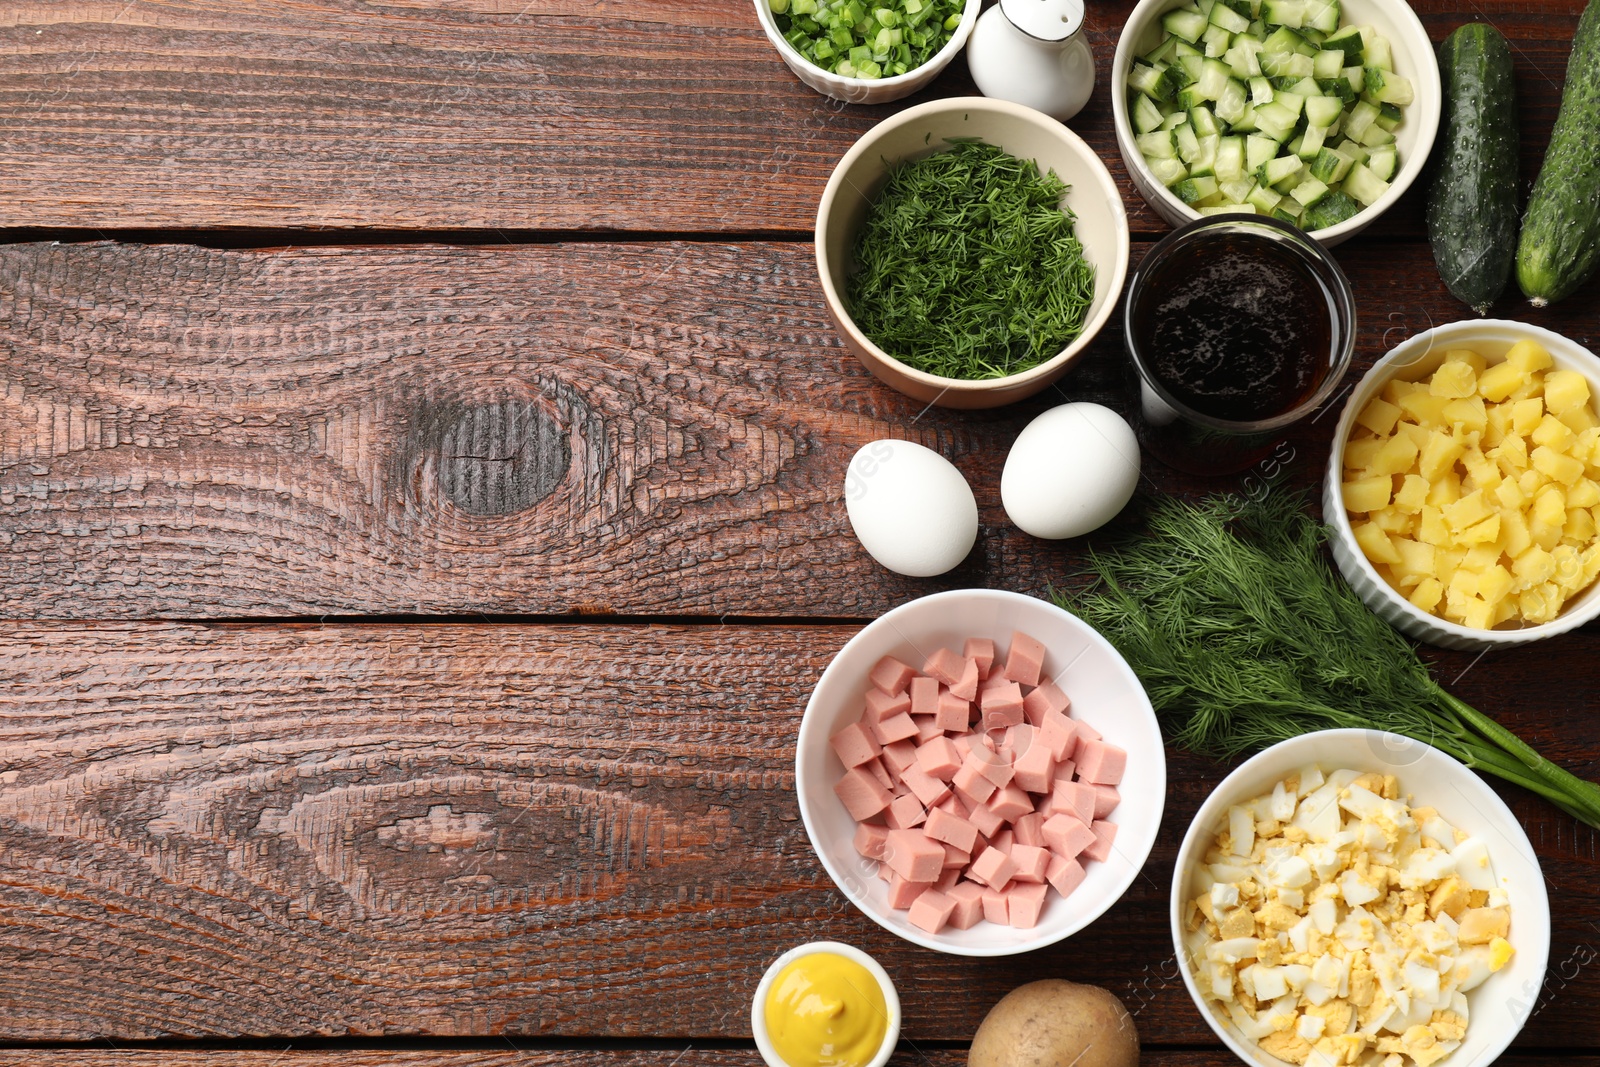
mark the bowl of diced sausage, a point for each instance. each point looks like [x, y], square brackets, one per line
[980, 772]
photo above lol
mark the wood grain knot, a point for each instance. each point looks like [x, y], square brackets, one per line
[498, 457]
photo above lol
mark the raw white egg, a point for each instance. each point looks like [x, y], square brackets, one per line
[910, 508]
[1070, 471]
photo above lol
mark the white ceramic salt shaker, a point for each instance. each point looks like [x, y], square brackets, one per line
[1033, 52]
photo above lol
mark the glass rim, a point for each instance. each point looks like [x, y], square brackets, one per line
[1342, 302]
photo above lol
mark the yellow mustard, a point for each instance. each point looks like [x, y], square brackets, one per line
[826, 1010]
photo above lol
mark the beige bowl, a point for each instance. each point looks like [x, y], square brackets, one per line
[1413, 58]
[1102, 228]
[1416, 358]
[868, 90]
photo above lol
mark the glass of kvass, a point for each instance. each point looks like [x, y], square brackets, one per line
[1239, 326]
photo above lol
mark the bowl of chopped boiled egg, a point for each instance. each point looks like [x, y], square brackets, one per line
[1357, 897]
[1463, 488]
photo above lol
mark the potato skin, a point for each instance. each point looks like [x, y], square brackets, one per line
[1048, 1023]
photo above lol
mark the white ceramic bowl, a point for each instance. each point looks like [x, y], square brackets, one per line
[868, 90]
[1502, 1004]
[1105, 693]
[1102, 229]
[1414, 58]
[1415, 358]
[891, 999]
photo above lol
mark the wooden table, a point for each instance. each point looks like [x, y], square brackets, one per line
[421, 456]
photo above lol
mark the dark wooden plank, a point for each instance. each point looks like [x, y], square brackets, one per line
[553, 114]
[539, 429]
[690, 1057]
[276, 830]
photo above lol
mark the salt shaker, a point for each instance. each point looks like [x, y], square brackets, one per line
[1033, 52]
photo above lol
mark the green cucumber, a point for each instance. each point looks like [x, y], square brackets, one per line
[1560, 244]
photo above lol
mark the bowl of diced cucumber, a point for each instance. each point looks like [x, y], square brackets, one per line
[1317, 112]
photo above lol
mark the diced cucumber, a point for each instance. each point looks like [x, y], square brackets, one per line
[1228, 19]
[1264, 199]
[1230, 159]
[1309, 191]
[1174, 120]
[1276, 120]
[1289, 210]
[1281, 41]
[1204, 6]
[1383, 162]
[1376, 135]
[1190, 98]
[1185, 25]
[1338, 88]
[1361, 118]
[1162, 53]
[1293, 102]
[1193, 190]
[1188, 143]
[1241, 8]
[1347, 40]
[1217, 41]
[1146, 116]
[1283, 172]
[1214, 76]
[1156, 83]
[1394, 90]
[1245, 57]
[1377, 54]
[1353, 150]
[1205, 123]
[1228, 209]
[1322, 15]
[1305, 87]
[1330, 166]
[1311, 143]
[1167, 171]
[1363, 185]
[1206, 162]
[1182, 48]
[1260, 91]
[1232, 102]
[1389, 117]
[1291, 13]
[1323, 110]
[1246, 122]
[1158, 144]
[1257, 151]
[1331, 210]
[1327, 64]
[1235, 191]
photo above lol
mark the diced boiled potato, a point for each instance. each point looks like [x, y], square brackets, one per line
[1379, 416]
[1540, 603]
[1583, 494]
[1462, 585]
[1525, 415]
[1511, 455]
[1454, 378]
[1367, 494]
[1395, 457]
[1416, 557]
[1509, 494]
[1466, 355]
[1358, 454]
[1393, 520]
[1494, 583]
[1550, 506]
[1468, 414]
[1500, 381]
[1514, 535]
[1534, 566]
[1480, 558]
[1439, 455]
[1419, 434]
[1394, 389]
[1580, 528]
[1432, 528]
[1467, 511]
[1565, 390]
[1446, 490]
[1427, 594]
[1413, 493]
[1557, 467]
[1546, 535]
[1426, 409]
[1375, 543]
[1486, 532]
[1580, 419]
[1528, 356]
[1552, 433]
[1569, 569]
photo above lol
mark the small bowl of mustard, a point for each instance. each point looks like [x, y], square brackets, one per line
[825, 1003]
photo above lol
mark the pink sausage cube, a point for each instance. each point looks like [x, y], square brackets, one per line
[1002, 706]
[981, 651]
[970, 781]
[1029, 829]
[952, 805]
[986, 821]
[870, 840]
[1004, 840]
[1060, 734]
[1075, 799]
[966, 686]
[994, 907]
[1024, 903]
[1010, 803]
[863, 795]
[995, 766]
[927, 788]
[1100, 848]
[1064, 771]
[946, 666]
[1066, 875]
[938, 756]
[931, 911]
[947, 879]
[911, 855]
[1106, 799]
[968, 897]
[854, 745]
[884, 873]
[876, 768]
[927, 728]
[924, 696]
[1101, 763]
[992, 867]
[1032, 862]
[953, 713]
[890, 675]
[1047, 697]
[905, 812]
[951, 830]
[1025, 659]
[955, 857]
[898, 756]
[903, 892]
[895, 728]
[1066, 836]
[1034, 768]
[1085, 730]
[881, 705]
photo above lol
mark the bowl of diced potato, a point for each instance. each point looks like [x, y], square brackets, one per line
[1463, 488]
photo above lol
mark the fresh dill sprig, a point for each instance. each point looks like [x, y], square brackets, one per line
[1243, 636]
[968, 265]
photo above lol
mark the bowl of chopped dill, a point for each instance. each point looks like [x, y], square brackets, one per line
[969, 249]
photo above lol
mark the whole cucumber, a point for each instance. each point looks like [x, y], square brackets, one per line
[1472, 203]
[1561, 231]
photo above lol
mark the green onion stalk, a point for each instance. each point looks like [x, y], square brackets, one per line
[1243, 636]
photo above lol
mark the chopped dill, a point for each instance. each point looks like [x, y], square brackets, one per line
[968, 265]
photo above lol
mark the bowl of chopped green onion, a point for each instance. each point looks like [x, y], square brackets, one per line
[1320, 113]
[867, 51]
[969, 249]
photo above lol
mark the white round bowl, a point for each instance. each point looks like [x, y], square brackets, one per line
[1414, 58]
[868, 90]
[891, 999]
[1502, 1004]
[1105, 693]
[1102, 229]
[1418, 357]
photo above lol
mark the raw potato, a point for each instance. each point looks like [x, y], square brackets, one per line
[1056, 1024]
